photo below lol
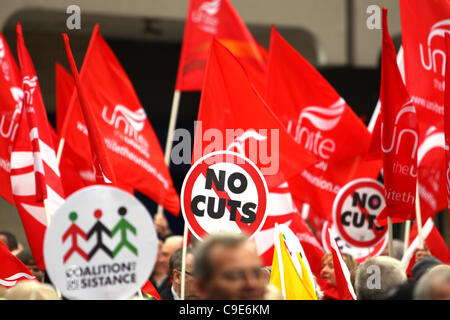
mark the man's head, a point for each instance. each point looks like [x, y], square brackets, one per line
[9, 240]
[175, 264]
[168, 247]
[228, 268]
[434, 284]
[376, 276]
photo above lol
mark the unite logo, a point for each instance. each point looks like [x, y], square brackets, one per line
[132, 122]
[10, 132]
[322, 119]
[439, 29]
[406, 108]
[205, 16]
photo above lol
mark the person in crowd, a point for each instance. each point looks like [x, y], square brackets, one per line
[423, 265]
[31, 290]
[173, 291]
[227, 267]
[397, 246]
[10, 241]
[327, 275]
[162, 226]
[160, 277]
[434, 284]
[27, 258]
[376, 276]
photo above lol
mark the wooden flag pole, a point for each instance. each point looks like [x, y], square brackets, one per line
[407, 230]
[60, 150]
[419, 217]
[183, 261]
[390, 238]
[169, 140]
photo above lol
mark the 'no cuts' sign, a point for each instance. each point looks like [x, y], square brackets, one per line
[224, 191]
[355, 209]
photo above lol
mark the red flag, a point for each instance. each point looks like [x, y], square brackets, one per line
[216, 18]
[104, 171]
[65, 86]
[12, 270]
[130, 143]
[150, 289]
[320, 120]
[342, 274]
[447, 122]
[35, 177]
[282, 210]
[424, 25]
[232, 116]
[433, 241]
[397, 132]
[10, 95]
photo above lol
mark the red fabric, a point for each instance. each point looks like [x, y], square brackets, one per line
[396, 137]
[205, 20]
[424, 25]
[330, 291]
[35, 176]
[12, 270]
[278, 204]
[150, 289]
[65, 86]
[320, 120]
[104, 171]
[127, 140]
[435, 244]
[343, 283]
[230, 104]
[10, 91]
[447, 120]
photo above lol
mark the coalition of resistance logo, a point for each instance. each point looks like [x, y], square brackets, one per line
[99, 274]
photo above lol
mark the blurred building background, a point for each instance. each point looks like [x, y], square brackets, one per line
[146, 37]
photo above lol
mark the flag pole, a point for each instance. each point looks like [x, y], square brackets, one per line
[171, 129]
[390, 238]
[183, 261]
[419, 217]
[407, 226]
[60, 149]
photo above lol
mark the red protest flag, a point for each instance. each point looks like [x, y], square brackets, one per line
[150, 290]
[35, 178]
[321, 121]
[424, 25]
[10, 95]
[130, 144]
[312, 247]
[233, 116]
[103, 169]
[433, 241]
[12, 270]
[398, 131]
[447, 121]
[65, 86]
[217, 18]
[342, 274]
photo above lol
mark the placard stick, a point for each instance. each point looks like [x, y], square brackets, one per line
[419, 217]
[390, 237]
[183, 261]
[407, 230]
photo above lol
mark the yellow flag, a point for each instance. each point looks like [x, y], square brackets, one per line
[285, 277]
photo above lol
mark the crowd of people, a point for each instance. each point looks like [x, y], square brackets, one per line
[226, 266]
